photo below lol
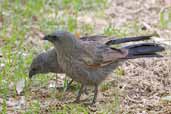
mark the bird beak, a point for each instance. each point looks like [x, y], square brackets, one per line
[31, 74]
[47, 37]
[50, 38]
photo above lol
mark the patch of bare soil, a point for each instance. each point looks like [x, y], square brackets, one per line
[146, 86]
[147, 11]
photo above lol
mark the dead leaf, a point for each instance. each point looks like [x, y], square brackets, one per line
[12, 102]
[22, 101]
[37, 32]
[2, 65]
[52, 84]
[34, 18]
[20, 86]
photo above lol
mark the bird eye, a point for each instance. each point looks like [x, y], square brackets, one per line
[53, 36]
[34, 69]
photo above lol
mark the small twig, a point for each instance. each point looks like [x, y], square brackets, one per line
[148, 26]
[133, 100]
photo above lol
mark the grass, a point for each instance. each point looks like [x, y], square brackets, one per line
[165, 18]
[19, 42]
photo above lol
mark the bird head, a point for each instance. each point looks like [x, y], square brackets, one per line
[62, 39]
[36, 66]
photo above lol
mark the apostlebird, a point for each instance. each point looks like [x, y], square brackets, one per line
[46, 62]
[89, 63]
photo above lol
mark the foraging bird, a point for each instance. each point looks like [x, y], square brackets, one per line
[46, 62]
[89, 63]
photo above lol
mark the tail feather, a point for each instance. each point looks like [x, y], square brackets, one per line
[142, 56]
[128, 39]
[143, 49]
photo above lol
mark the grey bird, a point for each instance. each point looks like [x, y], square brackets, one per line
[46, 62]
[89, 63]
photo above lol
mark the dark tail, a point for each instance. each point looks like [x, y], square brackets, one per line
[144, 50]
[128, 39]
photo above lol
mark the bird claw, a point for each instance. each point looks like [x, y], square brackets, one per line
[93, 102]
[85, 91]
[77, 101]
[68, 85]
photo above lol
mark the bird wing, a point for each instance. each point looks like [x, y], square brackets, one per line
[101, 39]
[96, 55]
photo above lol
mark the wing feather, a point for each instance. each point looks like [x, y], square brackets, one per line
[96, 55]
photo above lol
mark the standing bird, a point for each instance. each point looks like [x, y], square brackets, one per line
[46, 62]
[89, 63]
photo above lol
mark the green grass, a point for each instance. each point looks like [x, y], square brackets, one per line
[20, 43]
[165, 18]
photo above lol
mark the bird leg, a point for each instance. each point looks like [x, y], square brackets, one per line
[69, 84]
[85, 90]
[79, 93]
[95, 94]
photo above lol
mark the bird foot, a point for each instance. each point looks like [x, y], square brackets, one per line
[76, 101]
[93, 102]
